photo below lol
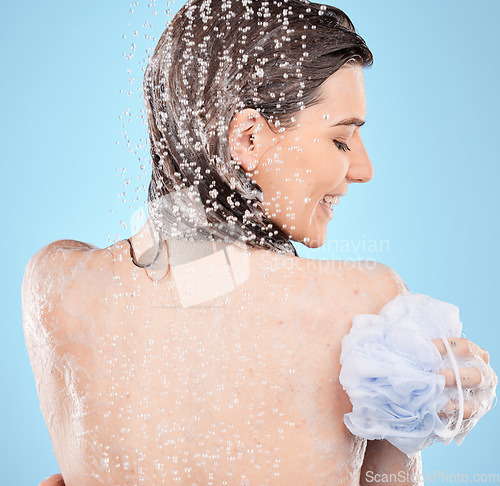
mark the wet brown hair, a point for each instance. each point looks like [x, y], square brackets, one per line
[216, 58]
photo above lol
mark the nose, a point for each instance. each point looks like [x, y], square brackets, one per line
[361, 168]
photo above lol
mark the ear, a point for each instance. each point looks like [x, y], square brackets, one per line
[249, 137]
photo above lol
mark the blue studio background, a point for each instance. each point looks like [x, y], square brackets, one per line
[73, 142]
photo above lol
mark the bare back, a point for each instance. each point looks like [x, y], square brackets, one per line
[243, 389]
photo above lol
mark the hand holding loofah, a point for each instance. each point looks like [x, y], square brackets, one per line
[390, 373]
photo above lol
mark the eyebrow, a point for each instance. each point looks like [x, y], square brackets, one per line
[350, 121]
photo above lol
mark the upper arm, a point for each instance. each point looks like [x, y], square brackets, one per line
[54, 299]
[47, 274]
[384, 464]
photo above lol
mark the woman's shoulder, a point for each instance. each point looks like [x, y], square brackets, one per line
[365, 285]
[60, 246]
[369, 271]
[59, 254]
[61, 275]
[58, 263]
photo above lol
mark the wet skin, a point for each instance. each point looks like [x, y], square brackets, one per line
[244, 386]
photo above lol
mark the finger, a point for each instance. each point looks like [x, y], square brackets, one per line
[459, 346]
[469, 377]
[452, 408]
[462, 348]
[479, 351]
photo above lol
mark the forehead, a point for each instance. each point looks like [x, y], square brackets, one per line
[342, 95]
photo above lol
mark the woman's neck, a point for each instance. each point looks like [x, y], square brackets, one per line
[147, 244]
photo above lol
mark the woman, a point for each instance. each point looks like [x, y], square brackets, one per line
[202, 350]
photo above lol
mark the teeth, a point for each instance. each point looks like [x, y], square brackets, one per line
[330, 200]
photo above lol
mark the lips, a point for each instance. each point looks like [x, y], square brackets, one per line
[340, 194]
[326, 208]
[329, 200]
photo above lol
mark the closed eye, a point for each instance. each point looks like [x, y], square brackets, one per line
[341, 146]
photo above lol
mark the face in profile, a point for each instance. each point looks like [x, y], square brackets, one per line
[318, 157]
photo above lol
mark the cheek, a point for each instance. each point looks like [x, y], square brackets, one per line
[324, 167]
[306, 170]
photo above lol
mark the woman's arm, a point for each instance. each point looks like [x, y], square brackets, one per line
[384, 464]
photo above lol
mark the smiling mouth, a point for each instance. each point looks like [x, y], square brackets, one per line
[330, 201]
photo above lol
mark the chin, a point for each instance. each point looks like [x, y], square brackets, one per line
[309, 236]
[312, 241]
